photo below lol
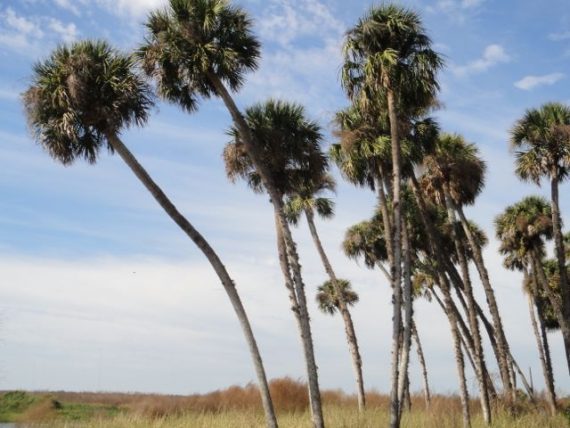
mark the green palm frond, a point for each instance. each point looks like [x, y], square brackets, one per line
[79, 95]
[190, 40]
[328, 297]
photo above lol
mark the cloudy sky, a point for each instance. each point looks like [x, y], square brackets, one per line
[100, 291]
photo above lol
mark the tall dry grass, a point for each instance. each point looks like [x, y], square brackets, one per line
[238, 406]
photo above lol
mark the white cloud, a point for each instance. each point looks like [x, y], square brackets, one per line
[530, 82]
[564, 35]
[29, 35]
[285, 21]
[20, 23]
[67, 32]
[70, 5]
[136, 8]
[458, 10]
[492, 55]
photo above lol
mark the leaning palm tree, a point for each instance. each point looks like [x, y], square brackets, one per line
[291, 150]
[541, 140]
[307, 198]
[388, 56]
[201, 49]
[80, 100]
[522, 230]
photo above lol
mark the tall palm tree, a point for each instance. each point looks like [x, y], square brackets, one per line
[388, 53]
[455, 175]
[290, 150]
[202, 49]
[541, 140]
[307, 199]
[522, 230]
[80, 100]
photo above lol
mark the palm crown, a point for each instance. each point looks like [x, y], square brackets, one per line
[192, 40]
[456, 164]
[389, 48]
[80, 95]
[328, 297]
[541, 140]
[289, 144]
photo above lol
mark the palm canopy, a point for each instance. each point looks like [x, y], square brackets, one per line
[289, 144]
[82, 94]
[522, 227]
[390, 49]
[366, 240]
[329, 294]
[191, 40]
[541, 141]
[454, 163]
[307, 196]
[363, 152]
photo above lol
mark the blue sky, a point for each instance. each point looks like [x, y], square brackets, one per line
[101, 291]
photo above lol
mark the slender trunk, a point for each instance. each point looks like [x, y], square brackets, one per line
[408, 312]
[480, 370]
[539, 344]
[214, 260]
[396, 270]
[422, 361]
[345, 313]
[502, 344]
[560, 258]
[459, 360]
[552, 297]
[551, 391]
[292, 255]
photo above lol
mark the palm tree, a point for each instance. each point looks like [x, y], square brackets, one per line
[388, 53]
[455, 176]
[541, 140]
[80, 100]
[200, 49]
[522, 230]
[307, 199]
[290, 150]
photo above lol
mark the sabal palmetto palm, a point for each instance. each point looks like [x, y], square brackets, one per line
[307, 198]
[541, 140]
[388, 56]
[522, 230]
[80, 99]
[200, 49]
[289, 147]
[454, 174]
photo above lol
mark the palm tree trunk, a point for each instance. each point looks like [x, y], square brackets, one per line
[502, 344]
[479, 356]
[396, 271]
[541, 352]
[292, 255]
[459, 360]
[345, 313]
[561, 258]
[554, 301]
[214, 260]
[421, 359]
[408, 312]
[551, 391]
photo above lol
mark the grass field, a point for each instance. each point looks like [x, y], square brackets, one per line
[239, 407]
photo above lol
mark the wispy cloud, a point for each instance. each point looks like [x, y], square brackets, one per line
[26, 35]
[530, 82]
[67, 32]
[458, 10]
[136, 8]
[557, 37]
[492, 55]
[70, 5]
